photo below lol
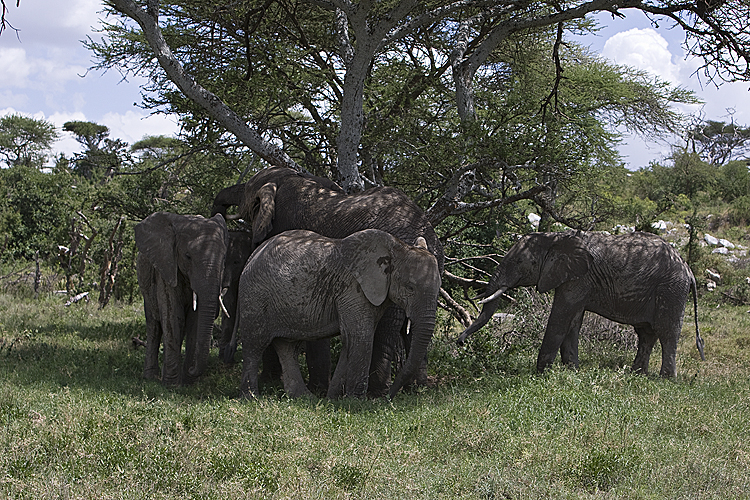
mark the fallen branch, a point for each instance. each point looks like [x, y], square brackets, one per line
[77, 298]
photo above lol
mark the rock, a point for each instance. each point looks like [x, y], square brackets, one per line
[726, 243]
[534, 220]
[710, 240]
[713, 275]
[710, 285]
[661, 225]
[721, 250]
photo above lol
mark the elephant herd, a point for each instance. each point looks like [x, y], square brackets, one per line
[318, 262]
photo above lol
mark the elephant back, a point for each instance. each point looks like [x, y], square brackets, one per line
[299, 202]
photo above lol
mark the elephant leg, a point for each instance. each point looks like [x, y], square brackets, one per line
[569, 346]
[669, 353]
[271, 367]
[225, 334]
[251, 357]
[359, 353]
[318, 355]
[153, 343]
[291, 376]
[565, 315]
[646, 341]
[173, 321]
[337, 386]
[387, 343]
[190, 341]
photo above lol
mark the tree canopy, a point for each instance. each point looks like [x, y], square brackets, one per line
[25, 141]
[467, 96]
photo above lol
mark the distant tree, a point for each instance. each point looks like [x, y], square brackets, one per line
[102, 156]
[719, 142]
[734, 180]
[25, 141]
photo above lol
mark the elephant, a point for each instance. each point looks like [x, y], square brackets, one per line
[635, 279]
[179, 267]
[300, 286]
[238, 251]
[278, 199]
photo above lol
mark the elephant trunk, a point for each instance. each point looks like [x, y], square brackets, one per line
[422, 328]
[491, 303]
[207, 309]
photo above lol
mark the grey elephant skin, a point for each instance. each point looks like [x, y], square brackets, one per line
[279, 199]
[301, 286]
[238, 251]
[180, 266]
[636, 279]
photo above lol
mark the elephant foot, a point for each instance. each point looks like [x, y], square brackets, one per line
[319, 389]
[296, 392]
[170, 382]
[151, 374]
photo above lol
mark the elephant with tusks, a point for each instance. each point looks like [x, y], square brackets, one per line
[636, 279]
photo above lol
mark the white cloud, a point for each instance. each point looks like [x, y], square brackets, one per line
[132, 126]
[14, 67]
[644, 49]
[81, 15]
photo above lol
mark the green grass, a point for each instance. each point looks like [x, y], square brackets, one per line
[77, 421]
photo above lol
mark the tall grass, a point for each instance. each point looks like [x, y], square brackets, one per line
[77, 420]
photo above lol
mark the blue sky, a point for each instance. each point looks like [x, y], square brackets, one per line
[44, 73]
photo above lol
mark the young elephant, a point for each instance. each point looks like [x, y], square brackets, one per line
[180, 266]
[635, 279]
[302, 286]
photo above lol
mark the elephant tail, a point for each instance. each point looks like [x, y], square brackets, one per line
[698, 338]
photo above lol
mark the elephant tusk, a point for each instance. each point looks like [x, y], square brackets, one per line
[233, 217]
[493, 296]
[195, 302]
[221, 302]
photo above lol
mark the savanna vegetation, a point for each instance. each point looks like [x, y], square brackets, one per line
[484, 113]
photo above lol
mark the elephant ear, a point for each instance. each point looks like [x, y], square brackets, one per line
[368, 256]
[566, 260]
[155, 237]
[259, 207]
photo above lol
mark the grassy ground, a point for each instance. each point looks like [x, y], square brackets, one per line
[77, 421]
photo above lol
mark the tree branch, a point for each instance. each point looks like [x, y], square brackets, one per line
[214, 106]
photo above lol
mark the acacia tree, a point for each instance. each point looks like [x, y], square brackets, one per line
[718, 143]
[363, 32]
[25, 141]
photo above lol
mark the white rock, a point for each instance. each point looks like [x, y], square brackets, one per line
[534, 220]
[661, 225]
[713, 275]
[710, 285]
[726, 243]
[710, 239]
[721, 250]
